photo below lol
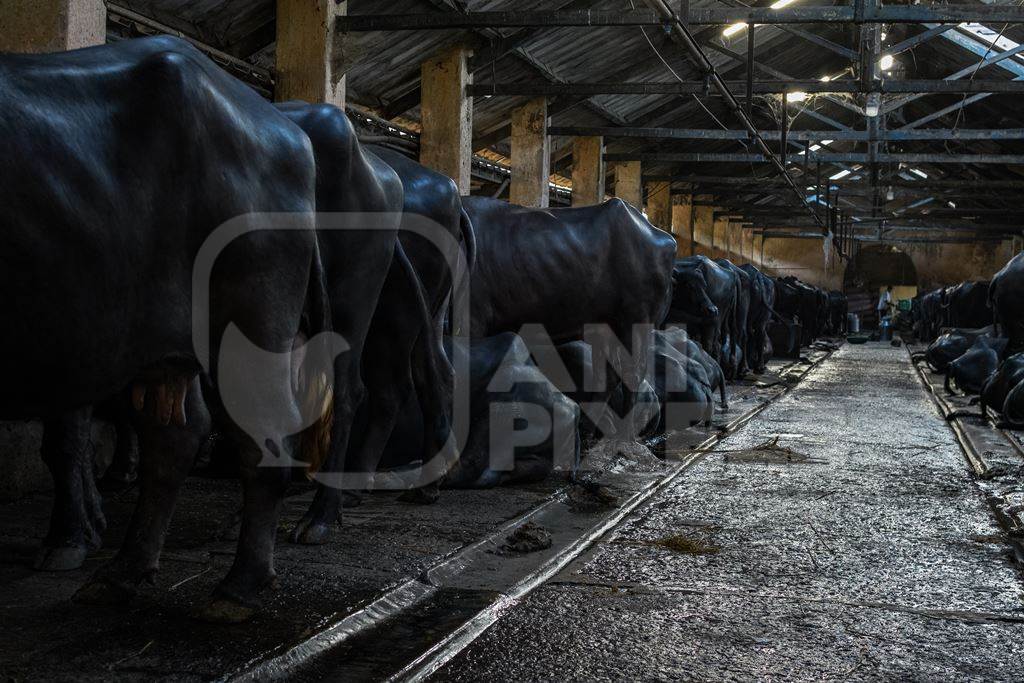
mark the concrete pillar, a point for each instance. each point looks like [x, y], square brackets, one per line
[446, 114]
[531, 154]
[736, 254]
[309, 52]
[703, 228]
[659, 204]
[721, 237]
[628, 185]
[51, 25]
[758, 249]
[748, 246]
[588, 170]
[682, 215]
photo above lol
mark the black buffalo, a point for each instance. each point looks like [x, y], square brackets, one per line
[966, 305]
[951, 345]
[974, 367]
[118, 163]
[927, 314]
[762, 305]
[704, 298]
[684, 386]
[564, 270]
[388, 294]
[521, 426]
[739, 342]
[999, 385]
[838, 308]
[1006, 297]
[356, 264]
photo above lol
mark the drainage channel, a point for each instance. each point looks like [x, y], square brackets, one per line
[995, 457]
[415, 627]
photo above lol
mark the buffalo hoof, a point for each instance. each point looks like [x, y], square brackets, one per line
[60, 559]
[100, 591]
[421, 496]
[224, 611]
[310, 532]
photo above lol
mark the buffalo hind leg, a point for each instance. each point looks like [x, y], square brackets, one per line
[167, 451]
[235, 599]
[325, 511]
[76, 521]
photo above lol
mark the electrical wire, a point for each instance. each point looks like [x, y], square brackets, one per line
[674, 74]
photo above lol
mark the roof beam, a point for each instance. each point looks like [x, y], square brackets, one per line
[852, 158]
[943, 134]
[698, 16]
[811, 86]
[938, 183]
[820, 41]
[971, 70]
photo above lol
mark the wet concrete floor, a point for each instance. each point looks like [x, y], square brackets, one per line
[875, 558]
[383, 543]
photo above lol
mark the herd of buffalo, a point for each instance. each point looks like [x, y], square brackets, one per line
[976, 335]
[121, 164]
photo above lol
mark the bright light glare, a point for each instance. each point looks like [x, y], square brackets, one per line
[779, 4]
[796, 96]
[886, 62]
[827, 142]
[733, 29]
[840, 175]
[919, 172]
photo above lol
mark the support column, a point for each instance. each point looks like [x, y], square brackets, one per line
[721, 236]
[659, 204]
[588, 171]
[628, 185]
[759, 252]
[682, 212]
[446, 114]
[531, 154]
[51, 26]
[703, 228]
[309, 52]
[736, 254]
[748, 246]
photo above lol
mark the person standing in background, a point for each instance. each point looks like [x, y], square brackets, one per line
[884, 303]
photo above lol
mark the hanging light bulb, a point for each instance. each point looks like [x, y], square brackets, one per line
[886, 62]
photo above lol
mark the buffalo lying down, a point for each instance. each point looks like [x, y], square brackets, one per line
[520, 426]
[1001, 383]
[972, 369]
[951, 345]
[106, 208]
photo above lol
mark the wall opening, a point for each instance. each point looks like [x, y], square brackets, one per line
[871, 270]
